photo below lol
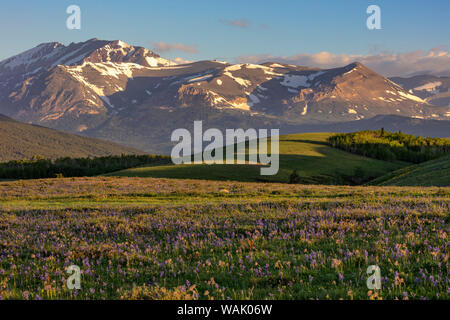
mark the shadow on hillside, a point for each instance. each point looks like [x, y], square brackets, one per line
[311, 170]
[323, 143]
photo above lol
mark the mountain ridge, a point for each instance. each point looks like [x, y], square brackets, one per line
[433, 89]
[112, 90]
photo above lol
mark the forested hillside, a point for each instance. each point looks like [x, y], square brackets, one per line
[389, 146]
[67, 167]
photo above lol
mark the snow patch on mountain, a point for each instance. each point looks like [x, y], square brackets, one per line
[63, 59]
[201, 78]
[157, 62]
[116, 69]
[241, 81]
[312, 76]
[107, 101]
[234, 67]
[294, 81]
[259, 87]
[430, 87]
[239, 103]
[254, 99]
[305, 110]
[411, 97]
[33, 55]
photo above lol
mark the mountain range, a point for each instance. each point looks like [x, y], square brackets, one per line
[131, 95]
[433, 89]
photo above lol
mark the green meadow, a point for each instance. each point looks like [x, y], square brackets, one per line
[309, 154]
[222, 232]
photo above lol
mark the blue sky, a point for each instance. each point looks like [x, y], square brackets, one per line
[276, 28]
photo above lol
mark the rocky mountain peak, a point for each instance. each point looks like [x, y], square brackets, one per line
[48, 55]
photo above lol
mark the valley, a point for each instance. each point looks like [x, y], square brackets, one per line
[309, 154]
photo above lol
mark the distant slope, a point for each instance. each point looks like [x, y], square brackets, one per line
[314, 160]
[393, 123]
[431, 173]
[22, 141]
[433, 89]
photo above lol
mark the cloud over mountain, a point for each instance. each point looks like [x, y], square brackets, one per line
[180, 60]
[435, 61]
[168, 47]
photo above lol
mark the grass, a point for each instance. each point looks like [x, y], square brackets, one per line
[169, 238]
[309, 154]
[20, 141]
[430, 173]
[146, 238]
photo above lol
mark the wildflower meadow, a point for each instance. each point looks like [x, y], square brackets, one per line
[149, 238]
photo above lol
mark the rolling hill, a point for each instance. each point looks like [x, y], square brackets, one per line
[20, 141]
[308, 154]
[430, 173]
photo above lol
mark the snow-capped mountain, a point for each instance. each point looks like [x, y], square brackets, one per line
[433, 89]
[52, 54]
[112, 90]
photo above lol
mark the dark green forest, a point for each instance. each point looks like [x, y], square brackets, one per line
[37, 167]
[390, 146]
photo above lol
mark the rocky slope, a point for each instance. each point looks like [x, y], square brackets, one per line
[433, 89]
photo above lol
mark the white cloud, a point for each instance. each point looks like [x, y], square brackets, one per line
[168, 47]
[180, 60]
[435, 61]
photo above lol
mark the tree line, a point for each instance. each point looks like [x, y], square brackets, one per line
[384, 145]
[38, 167]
